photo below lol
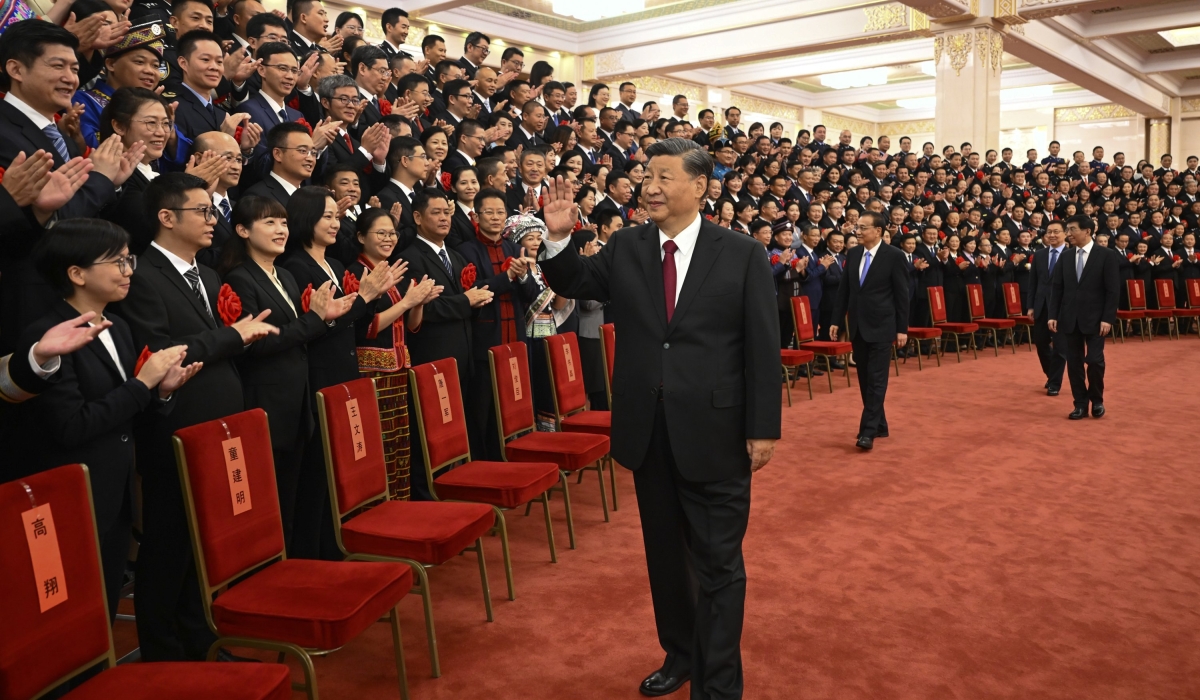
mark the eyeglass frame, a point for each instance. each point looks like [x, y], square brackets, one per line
[209, 212]
[301, 150]
[385, 235]
[129, 261]
[290, 70]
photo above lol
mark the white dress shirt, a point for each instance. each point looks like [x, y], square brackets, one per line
[287, 186]
[874, 256]
[38, 119]
[1081, 258]
[181, 266]
[106, 340]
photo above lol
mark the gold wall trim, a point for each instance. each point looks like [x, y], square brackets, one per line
[859, 128]
[881, 17]
[1092, 113]
[897, 129]
[1191, 104]
[777, 110]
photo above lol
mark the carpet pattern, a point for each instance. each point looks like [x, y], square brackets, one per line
[989, 549]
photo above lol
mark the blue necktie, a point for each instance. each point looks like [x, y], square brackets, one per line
[865, 266]
[446, 262]
[282, 115]
[225, 211]
[1053, 259]
[51, 131]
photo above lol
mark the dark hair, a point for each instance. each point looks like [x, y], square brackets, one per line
[258, 24]
[592, 95]
[613, 178]
[730, 109]
[248, 210]
[696, 161]
[124, 104]
[876, 218]
[366, 219]
[390, 16]
[332, 171]
[344, 18]
[178, 5]
[365, 54]
[272, 48]
[421, 198]
[86, 8]
[474, 38]
[454, 87]
[466, 127]
[169, 191]
[486, 194]
[26, 41]
[187, 42]
[305, 209]
[539, 72]
[401, 147]
[278, 135]
[430, 41]
[606, 216]
[1083, 221]
[459, 172]
[300, 7]
[444, 66]
[510, 52]
[486, 167]
[75, 243]
[552, 86]
[409, 82]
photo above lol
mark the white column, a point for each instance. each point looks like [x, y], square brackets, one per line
[968, 61]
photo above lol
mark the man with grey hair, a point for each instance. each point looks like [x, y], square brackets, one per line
[340, 100]
[696, 406]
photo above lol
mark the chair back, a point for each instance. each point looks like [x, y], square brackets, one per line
[803, 319]
[975, 301]
[1012, 299]
[1193, 292]
[1164, 290]
[511, 388]
[937, 305]
[55, 611]
[1137, 294]
[228, 478]
[608, 350]
[566, 375]
[353, 442]
[436, 397]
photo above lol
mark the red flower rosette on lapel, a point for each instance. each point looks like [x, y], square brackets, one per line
[229, 305]
[1, 174]
[304, 123]
[306, 298]
[237, 134]
[578, 226]
[446, 180]
[142, 359]
[385, 107]
[775, 259]
[1129, 255]
[540, 205]
[1175, 258]
[467, 277]
[795, 263]
[294, 103]
[349, 283]
[506, 264]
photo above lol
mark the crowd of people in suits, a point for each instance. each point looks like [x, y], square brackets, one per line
[207, 211]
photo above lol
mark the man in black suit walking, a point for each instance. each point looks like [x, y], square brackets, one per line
[696, 405]
[1083, 307]
[1051, 346]
[874, 292]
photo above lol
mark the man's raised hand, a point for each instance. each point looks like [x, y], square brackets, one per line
[559, 210]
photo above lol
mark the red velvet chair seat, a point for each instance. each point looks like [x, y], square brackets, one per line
[921, 333]
[1131, 315]
[570, 451]
[313, 604]
[958, 327]
[997, 323]
[827, 347]
[501, 484]
[188, 681]
[795, 358]
[1187, 312]
[1023, 320]
[594, 422]
[1159, 313]
[425, 531]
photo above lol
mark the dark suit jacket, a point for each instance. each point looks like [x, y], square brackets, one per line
[407, 228]
[878, 307]
[275, 369]
[446, 326]
[1080, 305]
[370, 179]
[515, 197]
[519, 138]
[715, 362]
[461, 229]
[620, 162]
[128, 212]
[262, 114]
[1040, 282]
[486, 332]
[270, 188]
[454, 161]
[192, 118]
[467, 67]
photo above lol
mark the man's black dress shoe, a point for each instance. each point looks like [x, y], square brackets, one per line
[1078, 414]
[1097, 410]
[838, 364]
[881, 435]
[1046, 385]
[865, 443]
[662, 682]
[1052, 391]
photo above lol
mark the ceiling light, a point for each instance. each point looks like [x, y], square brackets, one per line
[1188, 36]
[855, 78]
[589, 10]
[928, 68]
[917, 102]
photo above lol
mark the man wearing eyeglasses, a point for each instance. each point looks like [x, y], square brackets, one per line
[341, 102]
[460, 103]
[293, 160]
[369, 68]
[408, 165]
[471, 138]
[874, 295]
[279, 70]
[475, 52]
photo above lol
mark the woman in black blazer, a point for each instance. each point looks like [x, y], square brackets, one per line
[465, 184]
[954, 271]
[332, 359]
[275, 372]
[87, 414]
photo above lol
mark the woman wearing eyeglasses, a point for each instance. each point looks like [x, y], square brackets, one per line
[380, 342]
[275, 372]
[87, 414]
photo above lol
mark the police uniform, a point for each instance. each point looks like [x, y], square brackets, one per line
[150, 36]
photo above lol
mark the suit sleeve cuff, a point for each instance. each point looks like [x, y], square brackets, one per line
[43, 371]
[552, 248]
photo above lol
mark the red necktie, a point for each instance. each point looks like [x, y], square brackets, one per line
[668, 269]
[349, 143]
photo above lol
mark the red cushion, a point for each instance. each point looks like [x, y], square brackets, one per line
[1022, 319]
[363, 479]
[314, 604]
[188, 681]
[431, 532]
[827, 347]
[570, 451]
[793, 358]
[502, 484]
[594, 422]
[444, 441]
[1131, 315]
[1160, 313]
[998, 323]
[568, 380]
[959, 327]
[924, 333]
[1187, 312]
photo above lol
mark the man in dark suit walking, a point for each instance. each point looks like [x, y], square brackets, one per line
[1051, 346]
[1084, 293]
[696, 405]
[874, 292]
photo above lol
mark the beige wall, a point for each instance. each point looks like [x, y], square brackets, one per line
[1190, 140]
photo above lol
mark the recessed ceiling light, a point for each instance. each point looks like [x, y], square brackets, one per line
[855, 78]
[1188, 36]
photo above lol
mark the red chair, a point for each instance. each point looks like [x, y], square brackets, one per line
[571, 414]
[1012, 306]
[806, 339]
[267, 601]
[1193, 292]
[572, 452]
[937, 312]
[443, 433]
[418, 533]
[995, 325]
[40, 649]
[1164, 292]
[794, 360]
[915, 335]
[1137, 304]
[608, 348]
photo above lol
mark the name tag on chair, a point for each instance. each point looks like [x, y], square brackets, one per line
[514, 371]
[356, 431]
[570, 363]
[239, 478]
[42, 538]
[443, 397]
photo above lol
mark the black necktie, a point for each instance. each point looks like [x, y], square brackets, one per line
[193, 278]
[446, 262]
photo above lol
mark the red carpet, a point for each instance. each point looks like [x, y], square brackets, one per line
[989, 549]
